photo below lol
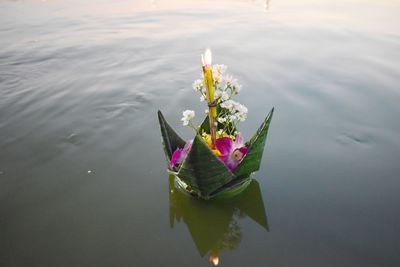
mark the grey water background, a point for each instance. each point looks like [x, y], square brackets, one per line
[83, 180]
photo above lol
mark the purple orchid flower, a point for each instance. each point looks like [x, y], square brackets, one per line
[180, 154]
[232, 152]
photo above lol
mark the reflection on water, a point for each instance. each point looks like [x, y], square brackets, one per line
[214, 224]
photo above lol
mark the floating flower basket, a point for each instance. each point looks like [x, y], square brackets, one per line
[217, 162]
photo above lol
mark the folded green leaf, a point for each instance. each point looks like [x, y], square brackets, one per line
[251, 162]
[231, 186]
[171, 140]
[203, 170]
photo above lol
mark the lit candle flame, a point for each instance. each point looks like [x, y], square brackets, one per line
[208, 57]
[214, 260]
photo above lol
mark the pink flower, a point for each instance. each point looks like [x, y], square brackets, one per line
[180, 154]
[232, 152]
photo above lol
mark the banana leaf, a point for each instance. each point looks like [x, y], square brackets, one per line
[170, 139]
[252, 160]
[202, 170]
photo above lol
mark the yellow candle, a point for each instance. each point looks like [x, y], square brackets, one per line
[208, 81]
[210, 89]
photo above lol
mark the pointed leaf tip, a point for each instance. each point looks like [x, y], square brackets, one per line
[252, 161]
[171, 140]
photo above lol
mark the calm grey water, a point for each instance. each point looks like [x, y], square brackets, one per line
[82, 173]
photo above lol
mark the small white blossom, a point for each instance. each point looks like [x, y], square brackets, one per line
[241, 117]
[241, 108]
[219, 69]
[188, 115]
[197, 85]
[202, 98]
[221, 119]
[220, 132]
[230, 81]
[233, 84]
[218, 72]
[206, 111]
[229, 104]
[221, 95]
[224, 96]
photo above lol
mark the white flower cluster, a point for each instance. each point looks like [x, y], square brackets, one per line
[232, 84]
[188, 115]
[230, 112]
[236, 111]
[225, 85]
[218, 73]
[221, 95]
[198, 85]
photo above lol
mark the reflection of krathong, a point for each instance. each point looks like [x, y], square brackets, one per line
[214, 225]
[217, 161]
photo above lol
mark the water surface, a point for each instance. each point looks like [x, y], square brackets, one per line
[82, 172]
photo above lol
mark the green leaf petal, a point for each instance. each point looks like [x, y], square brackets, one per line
[203, 170]
[231, 189]
[205, 125]
[171, 140]
[251, 162]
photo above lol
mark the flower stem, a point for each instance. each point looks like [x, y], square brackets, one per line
[193, 127]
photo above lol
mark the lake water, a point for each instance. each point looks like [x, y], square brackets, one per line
[83, 180]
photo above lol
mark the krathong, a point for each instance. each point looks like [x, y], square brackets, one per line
[217, 161]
